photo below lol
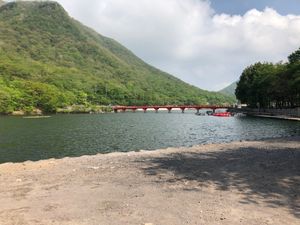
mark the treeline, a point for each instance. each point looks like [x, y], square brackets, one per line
[28, 95]
[268, 85]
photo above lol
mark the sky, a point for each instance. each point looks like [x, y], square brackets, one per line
[206, 43]
[283, 7]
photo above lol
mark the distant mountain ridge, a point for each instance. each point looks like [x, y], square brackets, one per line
[49, 60]
[229, 90]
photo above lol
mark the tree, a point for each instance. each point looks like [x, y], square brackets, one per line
[5, 102]
[268, 85]
[294, 57]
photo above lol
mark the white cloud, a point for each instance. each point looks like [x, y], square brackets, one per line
[187, 39]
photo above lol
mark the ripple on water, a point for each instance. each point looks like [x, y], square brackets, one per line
[76, 135]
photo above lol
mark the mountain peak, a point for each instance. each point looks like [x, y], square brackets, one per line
[28, 4]
[43, 17]
[41, 7]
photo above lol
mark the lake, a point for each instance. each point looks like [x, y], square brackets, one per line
[75, 135]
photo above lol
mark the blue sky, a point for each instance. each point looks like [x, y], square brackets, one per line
[241, 6]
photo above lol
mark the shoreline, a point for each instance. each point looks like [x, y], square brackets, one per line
[165, 150]
[247, 182]
[292, 114]
[280, 117]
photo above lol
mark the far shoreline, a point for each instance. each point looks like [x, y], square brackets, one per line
[46, 115]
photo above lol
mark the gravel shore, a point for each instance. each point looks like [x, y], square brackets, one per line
[255, 182]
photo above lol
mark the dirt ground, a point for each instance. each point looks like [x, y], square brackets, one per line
[236, 183]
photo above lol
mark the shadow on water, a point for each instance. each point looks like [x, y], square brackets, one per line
[271, 176]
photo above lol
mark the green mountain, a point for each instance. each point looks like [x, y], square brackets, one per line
[49, 60]
[229, 90]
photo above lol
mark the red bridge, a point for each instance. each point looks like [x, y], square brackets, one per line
[168, 107]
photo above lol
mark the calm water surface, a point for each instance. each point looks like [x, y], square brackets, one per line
[76, 135]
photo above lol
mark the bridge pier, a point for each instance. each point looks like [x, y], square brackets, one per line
[156, 109]
[198, 110]
[123, 110]
[115, 110]
[169, 109]
[182, 109]
[145, 110]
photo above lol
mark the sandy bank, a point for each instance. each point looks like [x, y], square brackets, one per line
[236, 183]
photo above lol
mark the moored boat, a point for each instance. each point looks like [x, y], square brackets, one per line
[222, 114]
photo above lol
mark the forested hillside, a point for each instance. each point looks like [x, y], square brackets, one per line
[271, 85]
[49, 60]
